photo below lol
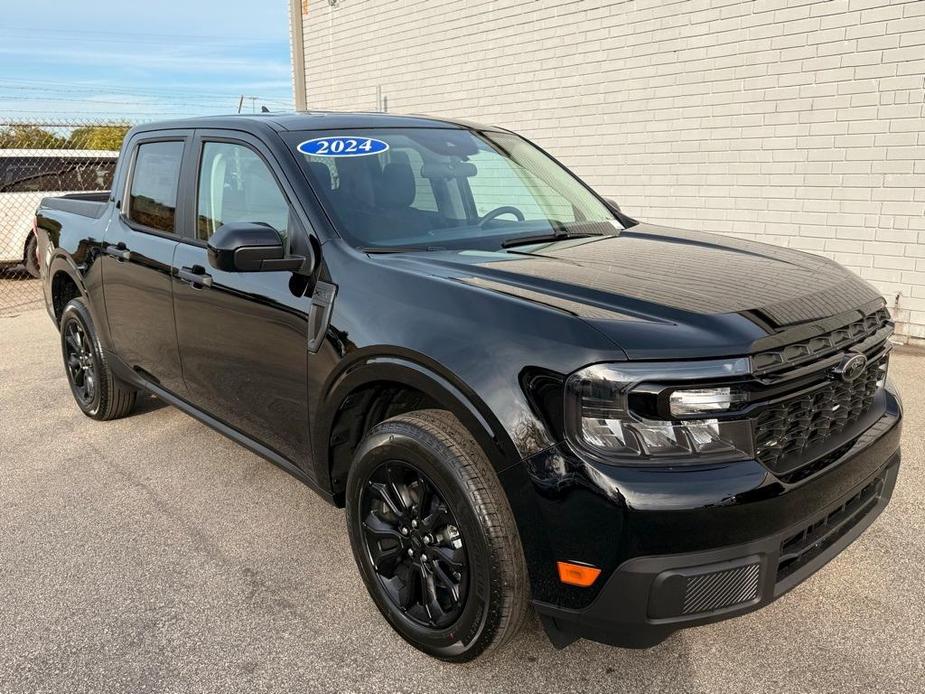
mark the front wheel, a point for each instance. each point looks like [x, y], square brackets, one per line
[434, 537]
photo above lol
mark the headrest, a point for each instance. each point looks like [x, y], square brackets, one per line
[356, 178]
[395, 188]
[259, 185]
[321, 175]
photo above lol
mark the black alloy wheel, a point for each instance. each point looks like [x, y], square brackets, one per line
[413, 541]
[99, 393]
[434, 538]
[81, 366]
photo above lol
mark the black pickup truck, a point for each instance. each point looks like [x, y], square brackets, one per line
[522, 396]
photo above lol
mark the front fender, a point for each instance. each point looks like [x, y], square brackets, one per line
[371, 365]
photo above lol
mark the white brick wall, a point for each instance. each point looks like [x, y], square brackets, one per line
[796, 122]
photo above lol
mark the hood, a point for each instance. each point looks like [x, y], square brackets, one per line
[726, 293]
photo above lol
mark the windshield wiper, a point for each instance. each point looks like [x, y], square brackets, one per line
[546, 238]
[399, 249]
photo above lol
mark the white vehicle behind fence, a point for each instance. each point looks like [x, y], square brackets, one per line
[27, 176]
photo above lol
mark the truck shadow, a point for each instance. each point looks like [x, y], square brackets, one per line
[666, 667]
[147, 403]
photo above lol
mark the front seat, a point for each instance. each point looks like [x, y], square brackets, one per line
[395, 192]
[263, 200]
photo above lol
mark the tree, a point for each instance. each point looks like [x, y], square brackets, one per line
[97, 137]
[29, 137]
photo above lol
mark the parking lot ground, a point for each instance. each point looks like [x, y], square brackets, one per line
[151, 554]
[18, 293]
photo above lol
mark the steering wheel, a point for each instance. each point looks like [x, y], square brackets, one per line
[498, 211]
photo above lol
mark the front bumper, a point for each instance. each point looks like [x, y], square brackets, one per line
[649, 598]
[689, 547]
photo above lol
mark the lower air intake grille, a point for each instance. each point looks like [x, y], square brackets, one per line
[713, 591]
[804, 546]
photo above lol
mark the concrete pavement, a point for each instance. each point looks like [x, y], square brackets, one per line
[151, 554]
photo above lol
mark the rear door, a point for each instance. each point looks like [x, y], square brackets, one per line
[243, 335]
[138, 256]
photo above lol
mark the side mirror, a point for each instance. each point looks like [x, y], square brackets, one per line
[251, 247]
[613, 205]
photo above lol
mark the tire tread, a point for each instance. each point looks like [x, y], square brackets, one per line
[117, 398]
[484, 490]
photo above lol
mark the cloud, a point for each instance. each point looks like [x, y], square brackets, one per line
[125, 57]
[170, 59]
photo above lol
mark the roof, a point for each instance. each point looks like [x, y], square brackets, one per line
[69, 153]
[313, 120]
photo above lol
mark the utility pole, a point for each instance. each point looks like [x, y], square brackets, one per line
[298, 10]
[253, 103]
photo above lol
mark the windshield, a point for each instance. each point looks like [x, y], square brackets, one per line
[428, 188]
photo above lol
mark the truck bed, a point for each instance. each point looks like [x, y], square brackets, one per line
[91, 205]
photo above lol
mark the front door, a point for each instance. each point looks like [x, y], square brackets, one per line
[243, 335]
[137, 258]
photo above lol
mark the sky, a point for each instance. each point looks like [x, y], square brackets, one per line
[123, 59]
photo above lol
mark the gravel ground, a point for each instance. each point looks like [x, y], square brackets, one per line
[153, 555]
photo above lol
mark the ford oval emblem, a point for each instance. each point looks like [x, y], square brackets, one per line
[851, 366]
[343, 146]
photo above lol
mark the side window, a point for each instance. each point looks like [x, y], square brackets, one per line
[153, 195]
[38, 183]
[93, 174]
[235, 185]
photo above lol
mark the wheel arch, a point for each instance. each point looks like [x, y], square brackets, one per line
[422, 384]
[64, 283]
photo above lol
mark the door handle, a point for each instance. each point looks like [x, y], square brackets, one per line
[196, 276]
[119, 252]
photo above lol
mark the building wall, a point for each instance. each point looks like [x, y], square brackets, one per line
[796, 122]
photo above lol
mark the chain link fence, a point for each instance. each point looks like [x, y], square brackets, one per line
[39, 159]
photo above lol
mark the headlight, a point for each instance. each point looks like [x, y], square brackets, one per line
[632, 412]
[688, 401]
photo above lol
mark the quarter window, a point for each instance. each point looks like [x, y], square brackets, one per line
[235, 185]
[153, 195]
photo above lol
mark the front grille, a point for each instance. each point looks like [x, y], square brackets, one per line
[785, 430]
[820, 346]
[807, 544]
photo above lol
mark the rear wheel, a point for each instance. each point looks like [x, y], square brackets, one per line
[31, 258]
[98, 392]
[434, 537]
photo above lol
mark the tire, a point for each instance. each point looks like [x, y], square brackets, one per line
[30, 258]
[474, 544]
[97, 391]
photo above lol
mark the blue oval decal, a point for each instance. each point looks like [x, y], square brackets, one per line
[343, 146]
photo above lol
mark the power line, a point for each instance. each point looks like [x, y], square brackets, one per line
[94, 112]
[114, 90]
[81, 33]
[101, 103]
[123, 103]
[82, 87]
